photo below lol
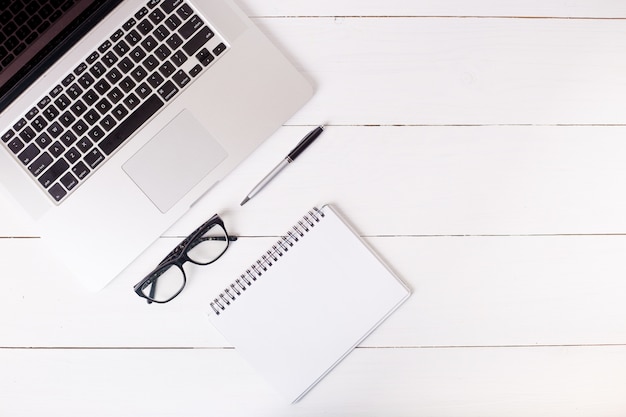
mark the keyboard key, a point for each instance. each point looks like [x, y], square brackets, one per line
[68, 80]
[80, 170]
[80, 68]
[172, 22]
[16, 145]
[181, 78]
[90, 97]
[144, 27]
[178, 58]
[29, 154]
[162, 52]
[155, 79]
[150, 62]
[133, 37]
[43, 140]
[143, 90]
[94, 157]
[92, 58]
[97, 70]
[129, 24]
[96, 134]
[27, 134]
[62, 102]
[68, 138]
[20, 124]
[91, 117]
[121, 48]
[32, 113]
[69, 181]
[44, 102]
[161, 33]
[103, 106]
[169, 6]
[131, 101]
[50, 112]
[57, 192]
[190, 27]
[55, 129]
[167, 90]
[139, 73]
[78, 108]
[219, 49]
[108, 123]
[174, 41]
[74, 91]
[105, 45]
[56, 149]
[137, 54]
[67, 119]
[39, 123]
[205, 57]
[80, 128]
[85, 80]
[141, 13]
[149, 43]
[125, 65]
[102, 87]
[198, 40]
[127, 84]
[195, 70]
[156, 16]
[56, 91]
[114, 76]
[72, 155]
[184, 11]
[167, 69]
[8, 135]
[125, 129]
[119, 112]
[54, 172]
[115, 95]
[117, 35]
[84, 144]
[109, 59]
[40, 164]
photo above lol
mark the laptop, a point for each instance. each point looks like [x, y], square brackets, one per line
[117, 115]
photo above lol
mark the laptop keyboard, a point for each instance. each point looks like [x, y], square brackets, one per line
[94, 109]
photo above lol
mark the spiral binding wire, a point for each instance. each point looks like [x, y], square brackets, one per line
[267, 259]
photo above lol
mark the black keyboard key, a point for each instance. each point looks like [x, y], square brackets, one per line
[27, 134]
[121, 48]
[144, 27]
[103, 106]
[109, 59]
[68, 138]
[93, 158]
[54, 172]
[97, 70]
[80, 128]
[74, 91]
[198, 40]
[141, 13]
[67, 119]
[152, 3]
[78, 108]
[91, 117]
[32, 113]
[125, 129]
[62, 102]
[174, 41]
[28, 154]
[20, 124]
[167, 69]
[120, 112]
[150, 62]
[178, 58]
[57, 192]
[16, 145]
[167, 90]
[115, 95]
[55, 129]
[44, 102]
[131, 101]
[72, 155]
[80, 68]
[39, 123]
[162, 52]
[117, 35]
[129, 24]
[50, 112]
[84, 144]
[108, 123]
[68, 80]
[96, 134]
[56, 91]
[149, 43]
[133, 37]
[102, 87]
[156, 16]
[125, 65]
[219, 49]
[143, 90]
[181, 78]
[169, 6]
[114, 76]
[40, 164]
[155, 79]
[80, 170]
[195, 70]
[191, 27]
[8, 135]
[56, 149]
[92, 58]
[172, 22]
[161, 33]
[69, 181]
[184, 11]
[127, 84]
[90, 97]
[105, 45]
[137, 54]
[205, 57]
[85, 80]
[139, 73]
[43, 140]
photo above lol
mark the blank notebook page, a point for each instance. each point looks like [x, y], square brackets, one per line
[311, 307]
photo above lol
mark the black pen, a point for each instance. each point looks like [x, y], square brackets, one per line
[301, 146]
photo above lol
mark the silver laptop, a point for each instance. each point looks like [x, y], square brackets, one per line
[117, 115]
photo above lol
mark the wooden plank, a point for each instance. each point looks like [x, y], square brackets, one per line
[488, 8]
[467, 291]
[581, 381]
[458, 71]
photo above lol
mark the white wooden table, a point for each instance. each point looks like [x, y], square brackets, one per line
[479, 146]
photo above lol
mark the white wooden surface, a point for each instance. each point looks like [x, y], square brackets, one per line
[480, 148]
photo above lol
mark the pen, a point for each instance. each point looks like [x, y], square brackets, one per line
[301, 146]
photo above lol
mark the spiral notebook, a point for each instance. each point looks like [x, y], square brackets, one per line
[310, 299]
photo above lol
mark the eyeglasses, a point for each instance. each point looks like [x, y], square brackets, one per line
[202, 247]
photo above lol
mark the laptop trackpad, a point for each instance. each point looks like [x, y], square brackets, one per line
[174, 161]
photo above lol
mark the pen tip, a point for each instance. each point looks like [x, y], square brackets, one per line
[245, 200]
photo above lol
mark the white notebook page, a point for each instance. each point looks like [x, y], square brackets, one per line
[311, 307]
